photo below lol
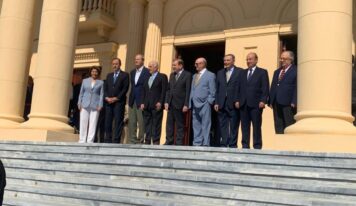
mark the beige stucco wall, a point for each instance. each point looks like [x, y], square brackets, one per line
[244, 25]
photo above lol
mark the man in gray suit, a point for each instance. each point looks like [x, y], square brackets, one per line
[202, 97]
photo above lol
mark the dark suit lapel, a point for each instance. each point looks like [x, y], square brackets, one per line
[233, 75]
[140, 79]
[287, 73]
[181, 76]
[155, 80]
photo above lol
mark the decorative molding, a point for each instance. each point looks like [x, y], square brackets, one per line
[200, 19]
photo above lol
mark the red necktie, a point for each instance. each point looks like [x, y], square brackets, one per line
[283, 72]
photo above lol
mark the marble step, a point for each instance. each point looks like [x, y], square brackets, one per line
[235, 157]
[203, 150]
[316, 186]
[70, 163]
[170, 186]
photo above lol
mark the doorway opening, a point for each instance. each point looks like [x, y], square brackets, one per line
[212, 52]
[290, 42]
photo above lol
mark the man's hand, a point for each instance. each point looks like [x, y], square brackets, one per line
[158, 106]
[237, 105]
[216, 108]
[166, 106]
[114, 99]
[293, 106]
[98, 109]
[109, 100]
[185, 109]
[79, 107]
[261, 105]
[142, 107]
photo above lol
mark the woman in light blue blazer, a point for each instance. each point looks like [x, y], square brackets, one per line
[90, 103]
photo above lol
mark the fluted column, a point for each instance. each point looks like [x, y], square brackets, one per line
[136, 18]
[154, 30]
[52, 79]
[324, 68]
[16, 28]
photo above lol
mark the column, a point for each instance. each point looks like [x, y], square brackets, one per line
[154, 33]
[324, 68]
[52, 79]
[136, 19]
[16, 28]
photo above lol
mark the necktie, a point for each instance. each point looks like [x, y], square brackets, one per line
[177, 76]
[115, 77]
[150, 81]
[249, 74]
[197, 78]
[228, 75]
[283, 72]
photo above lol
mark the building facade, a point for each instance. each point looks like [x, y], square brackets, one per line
[53, 40]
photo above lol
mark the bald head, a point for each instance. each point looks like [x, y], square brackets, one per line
[251, 59]
[200, 64]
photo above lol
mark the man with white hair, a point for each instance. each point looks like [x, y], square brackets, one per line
[202, 97]
[283, 94]
[153, 97]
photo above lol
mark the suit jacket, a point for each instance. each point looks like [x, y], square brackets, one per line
[136, 89]
[204, 92]
[91, 97]
[226, 91]
[252, 92]
[178, 92]
[285, 91]
[157, 92]
[119, 88]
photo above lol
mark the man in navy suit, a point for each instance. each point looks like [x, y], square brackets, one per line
[138, 76]
[283, 94]
[252, 95]
[229, 117]
[115, 89]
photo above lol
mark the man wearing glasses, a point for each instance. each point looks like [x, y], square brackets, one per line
[283, 93]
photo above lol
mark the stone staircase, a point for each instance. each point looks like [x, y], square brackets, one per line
[66, 174]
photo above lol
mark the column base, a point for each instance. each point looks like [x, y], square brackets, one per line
[311, 143]
[47, 124]
[321, 126]
[8, 124]
[37, 135]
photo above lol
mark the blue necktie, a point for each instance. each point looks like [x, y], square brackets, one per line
[115, 77]
[249, 74]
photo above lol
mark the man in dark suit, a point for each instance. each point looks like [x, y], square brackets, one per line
[229, 117]
[115, 89]
[153, 95]
[283, 94]
[177, 101]
[252, 95]
[138, 76]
